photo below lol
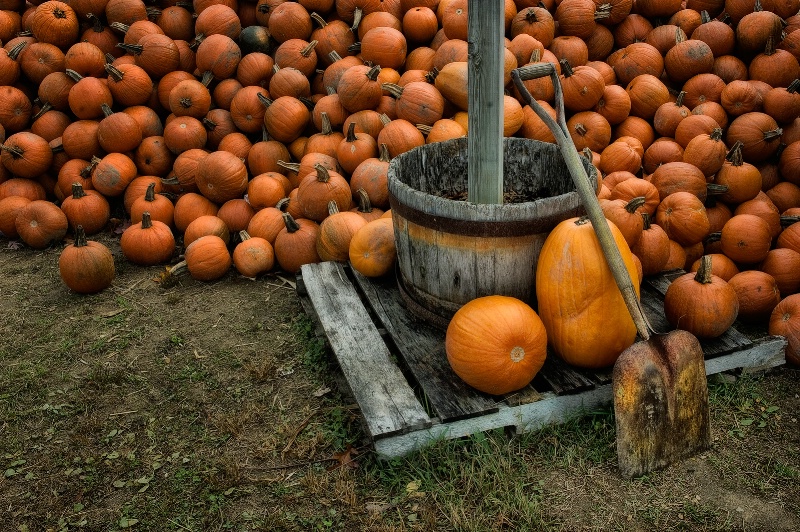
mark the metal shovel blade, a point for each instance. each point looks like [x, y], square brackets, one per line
[660, 403]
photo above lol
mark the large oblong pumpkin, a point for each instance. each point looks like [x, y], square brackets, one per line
[496, 344]
[587, 322]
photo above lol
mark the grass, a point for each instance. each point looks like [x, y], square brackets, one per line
[215, 407]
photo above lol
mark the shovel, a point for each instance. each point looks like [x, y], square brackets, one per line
[659, 383]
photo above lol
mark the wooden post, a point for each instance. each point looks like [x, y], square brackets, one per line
[485, 137]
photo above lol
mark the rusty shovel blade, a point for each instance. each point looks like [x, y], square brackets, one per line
[660, 403]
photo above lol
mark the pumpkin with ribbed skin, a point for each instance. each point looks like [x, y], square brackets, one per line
[207, 258]
[253, 255]
[148, 242]
[496, 344]
[86, 267]
[701, 303]
[86, 208]
[41, 222]
[372, 248]
[336, 232]
[757, 292]
[578, 297]
[785, 321]
[296, 243]
[221, 176]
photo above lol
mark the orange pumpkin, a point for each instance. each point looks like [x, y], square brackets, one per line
[86, 267]
[496, 344]
[372, 248]
[785, 321]
[207, 258]
[578, 296]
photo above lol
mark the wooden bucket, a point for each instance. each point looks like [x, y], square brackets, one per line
[450, 251]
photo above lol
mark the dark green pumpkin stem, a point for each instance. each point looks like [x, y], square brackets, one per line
[634, 204]
[715, 189]
[106, 109]
[734, 155]
[373, 72]
[703, 274]
[787, 220]
[566, 68]
[113, 72]
[15, 51]
[133, 49]
[119, 26]
[74, 76]
[282, 204]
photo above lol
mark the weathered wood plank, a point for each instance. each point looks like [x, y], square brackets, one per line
[550, 409]
[386, 400]
[562, 378]
[765, 353]
[422, 348]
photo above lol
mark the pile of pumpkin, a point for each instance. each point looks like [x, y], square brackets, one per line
[260, 132]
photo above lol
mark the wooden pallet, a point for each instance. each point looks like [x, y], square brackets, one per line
[397, 370]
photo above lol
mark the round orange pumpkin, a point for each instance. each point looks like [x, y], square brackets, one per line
[372, 248]
[496, 344]
[785, 321]
[86, 267]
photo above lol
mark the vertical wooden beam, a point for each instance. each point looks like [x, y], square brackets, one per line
[485, 137]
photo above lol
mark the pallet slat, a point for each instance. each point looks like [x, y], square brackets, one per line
[422, 348]
[386, 400]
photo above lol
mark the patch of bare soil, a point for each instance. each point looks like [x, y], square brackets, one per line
[210, 406]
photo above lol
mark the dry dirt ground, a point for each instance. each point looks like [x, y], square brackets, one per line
[196, 406]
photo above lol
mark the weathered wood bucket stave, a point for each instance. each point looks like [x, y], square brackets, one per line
[451, 251]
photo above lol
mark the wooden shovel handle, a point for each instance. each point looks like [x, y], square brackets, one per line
[561, 133]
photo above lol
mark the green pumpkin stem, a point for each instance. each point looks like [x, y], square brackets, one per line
[787, 220]
[106, 109]
[715, 189]
[634, 204]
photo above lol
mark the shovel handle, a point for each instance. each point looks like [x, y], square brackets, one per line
[561, 133]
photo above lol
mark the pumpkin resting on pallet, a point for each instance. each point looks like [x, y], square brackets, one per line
[587, 322]
[496, 344]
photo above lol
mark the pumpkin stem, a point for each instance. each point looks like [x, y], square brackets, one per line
[716, 134]
[394, 90]
[735, 154]
[45, 107]
[384, 153]
[680, 36]
[106, 109]
[769, 48]
[703, 274]
[536, 56]
[323, 175]
[355, 48]
[430, 76]
[351, 133]
[318, 19]
[705, 18]
[634, 204]
[715, 189]
[207, 78]
[150, 193]
[566, 68]
[326, 128]
[147, 222]
[290, 223]
[385, 119]
[15, 151]
[282, 204]
[15, 51]
[787, 220]
[334, 56]
[59, 13]
[713, 237]
[793, 87]
[603, 11]
[119, 26]
[56, 148]
[74, 76]
[647, 221]
[264, 100]
[178, 268]
[133, 49]
[80, 236]
[679, 99]
[583, 220]
[773, 134]
[110, 58]
[373, 72]
[209, 124]
[580, 129]
[306, 51]
[153, 12]
[86, 171]
[530, 16]
[244, 235]
[185, 102]
[77, 191]
[113, 72]
[292, 167]
[333, 208]
[424, 129]
[357, 14]
[264, 133]
[97, 24]
[364, 204]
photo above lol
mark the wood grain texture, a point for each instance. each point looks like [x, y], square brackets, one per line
[386, 400]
